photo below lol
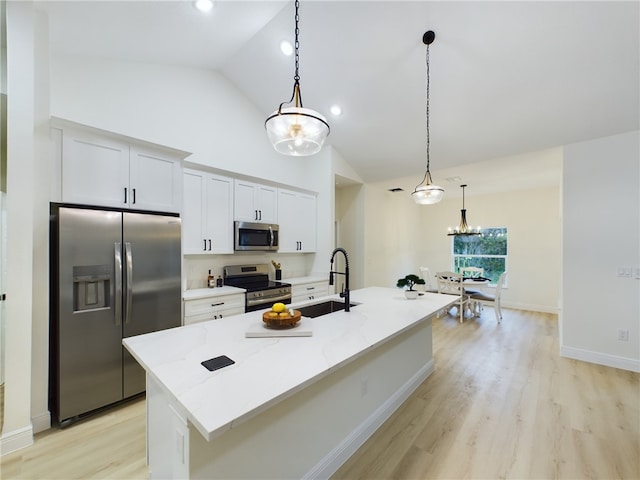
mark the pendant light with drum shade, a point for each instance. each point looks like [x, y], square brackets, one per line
[296, 130]
[426, 193]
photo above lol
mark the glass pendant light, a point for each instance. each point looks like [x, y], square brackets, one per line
[296, 130]
[426, 193]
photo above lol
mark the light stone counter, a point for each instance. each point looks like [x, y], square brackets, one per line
[269, 371]
[308, 279]
[197, 293]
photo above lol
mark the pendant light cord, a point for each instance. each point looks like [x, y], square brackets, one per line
[427, 174]
[296, 95]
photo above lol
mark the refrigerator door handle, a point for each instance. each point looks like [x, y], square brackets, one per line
[118, 283]
[129, 261]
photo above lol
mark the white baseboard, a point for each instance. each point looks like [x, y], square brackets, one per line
[531, 307]
[41, 422]
[15, 440]
[598, 358]
[341, 453]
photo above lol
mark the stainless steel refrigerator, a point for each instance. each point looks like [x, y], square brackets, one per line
[114, 274]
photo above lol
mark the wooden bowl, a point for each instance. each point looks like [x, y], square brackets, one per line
[281, 322]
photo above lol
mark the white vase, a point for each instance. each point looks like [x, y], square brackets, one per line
[411, 294]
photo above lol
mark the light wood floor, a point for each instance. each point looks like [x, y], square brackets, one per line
[500, 404]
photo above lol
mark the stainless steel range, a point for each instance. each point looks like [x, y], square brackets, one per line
[261, 292]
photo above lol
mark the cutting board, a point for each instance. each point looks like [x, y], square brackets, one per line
[302, 329]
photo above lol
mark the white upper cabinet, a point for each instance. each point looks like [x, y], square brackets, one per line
[207, 216]
[154, 180]
[103, 170]
[255, 202]
[95, 170]
[297, 220]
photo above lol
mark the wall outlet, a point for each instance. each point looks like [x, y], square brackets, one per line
[623, 335]
[625, 272]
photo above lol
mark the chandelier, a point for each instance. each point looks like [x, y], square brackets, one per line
[296, 130]
[463, 228]
[426, 193]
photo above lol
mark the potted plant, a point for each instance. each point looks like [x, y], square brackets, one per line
[409, 281]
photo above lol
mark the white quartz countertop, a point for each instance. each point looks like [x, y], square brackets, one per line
[268, 370]
[196, 293]
[304, 280]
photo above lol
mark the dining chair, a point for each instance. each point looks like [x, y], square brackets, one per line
[485, 298]
[450, 283]
[425, 273]
[472, 272]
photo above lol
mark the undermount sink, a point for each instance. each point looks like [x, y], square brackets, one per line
[319, 309]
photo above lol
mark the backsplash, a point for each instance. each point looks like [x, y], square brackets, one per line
[196, 267]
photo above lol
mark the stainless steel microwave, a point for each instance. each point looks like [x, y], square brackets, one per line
[255, 236]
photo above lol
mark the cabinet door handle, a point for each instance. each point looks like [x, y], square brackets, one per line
[204, 247]
[255, 213]
[209, 244]
[134, 195]
[217, 304]
[259, 214]
[125, 194]
[311, 288]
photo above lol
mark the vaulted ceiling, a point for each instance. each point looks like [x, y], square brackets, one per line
[507, 78]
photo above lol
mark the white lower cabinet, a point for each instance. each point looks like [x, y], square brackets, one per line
[309, 291]
[214, 307]
[167, 435]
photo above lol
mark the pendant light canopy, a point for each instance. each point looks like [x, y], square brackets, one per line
[463, 228]
[296, 130]
[426, 193]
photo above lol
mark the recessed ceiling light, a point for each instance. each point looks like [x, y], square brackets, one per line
[336, 110]
[286, 47]
[203, 5]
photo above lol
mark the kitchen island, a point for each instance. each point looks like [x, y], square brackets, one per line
[294, 407]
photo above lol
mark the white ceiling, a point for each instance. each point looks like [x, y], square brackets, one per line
[507, 78]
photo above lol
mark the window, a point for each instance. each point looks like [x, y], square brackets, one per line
[487, 251]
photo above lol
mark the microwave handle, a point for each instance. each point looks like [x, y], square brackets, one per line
[270, 236]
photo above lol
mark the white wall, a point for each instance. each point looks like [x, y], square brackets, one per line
[392, 237]
[601, 233]
[189, 109]
[27, 140]
[350, 221]
[402, 236]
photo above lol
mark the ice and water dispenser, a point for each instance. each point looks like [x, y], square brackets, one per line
[91, 287]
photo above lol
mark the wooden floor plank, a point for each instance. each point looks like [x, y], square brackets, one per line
[502, 403]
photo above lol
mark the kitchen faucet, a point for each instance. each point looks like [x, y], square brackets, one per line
[345, 292]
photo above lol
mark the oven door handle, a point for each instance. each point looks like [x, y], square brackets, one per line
[266, 301]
